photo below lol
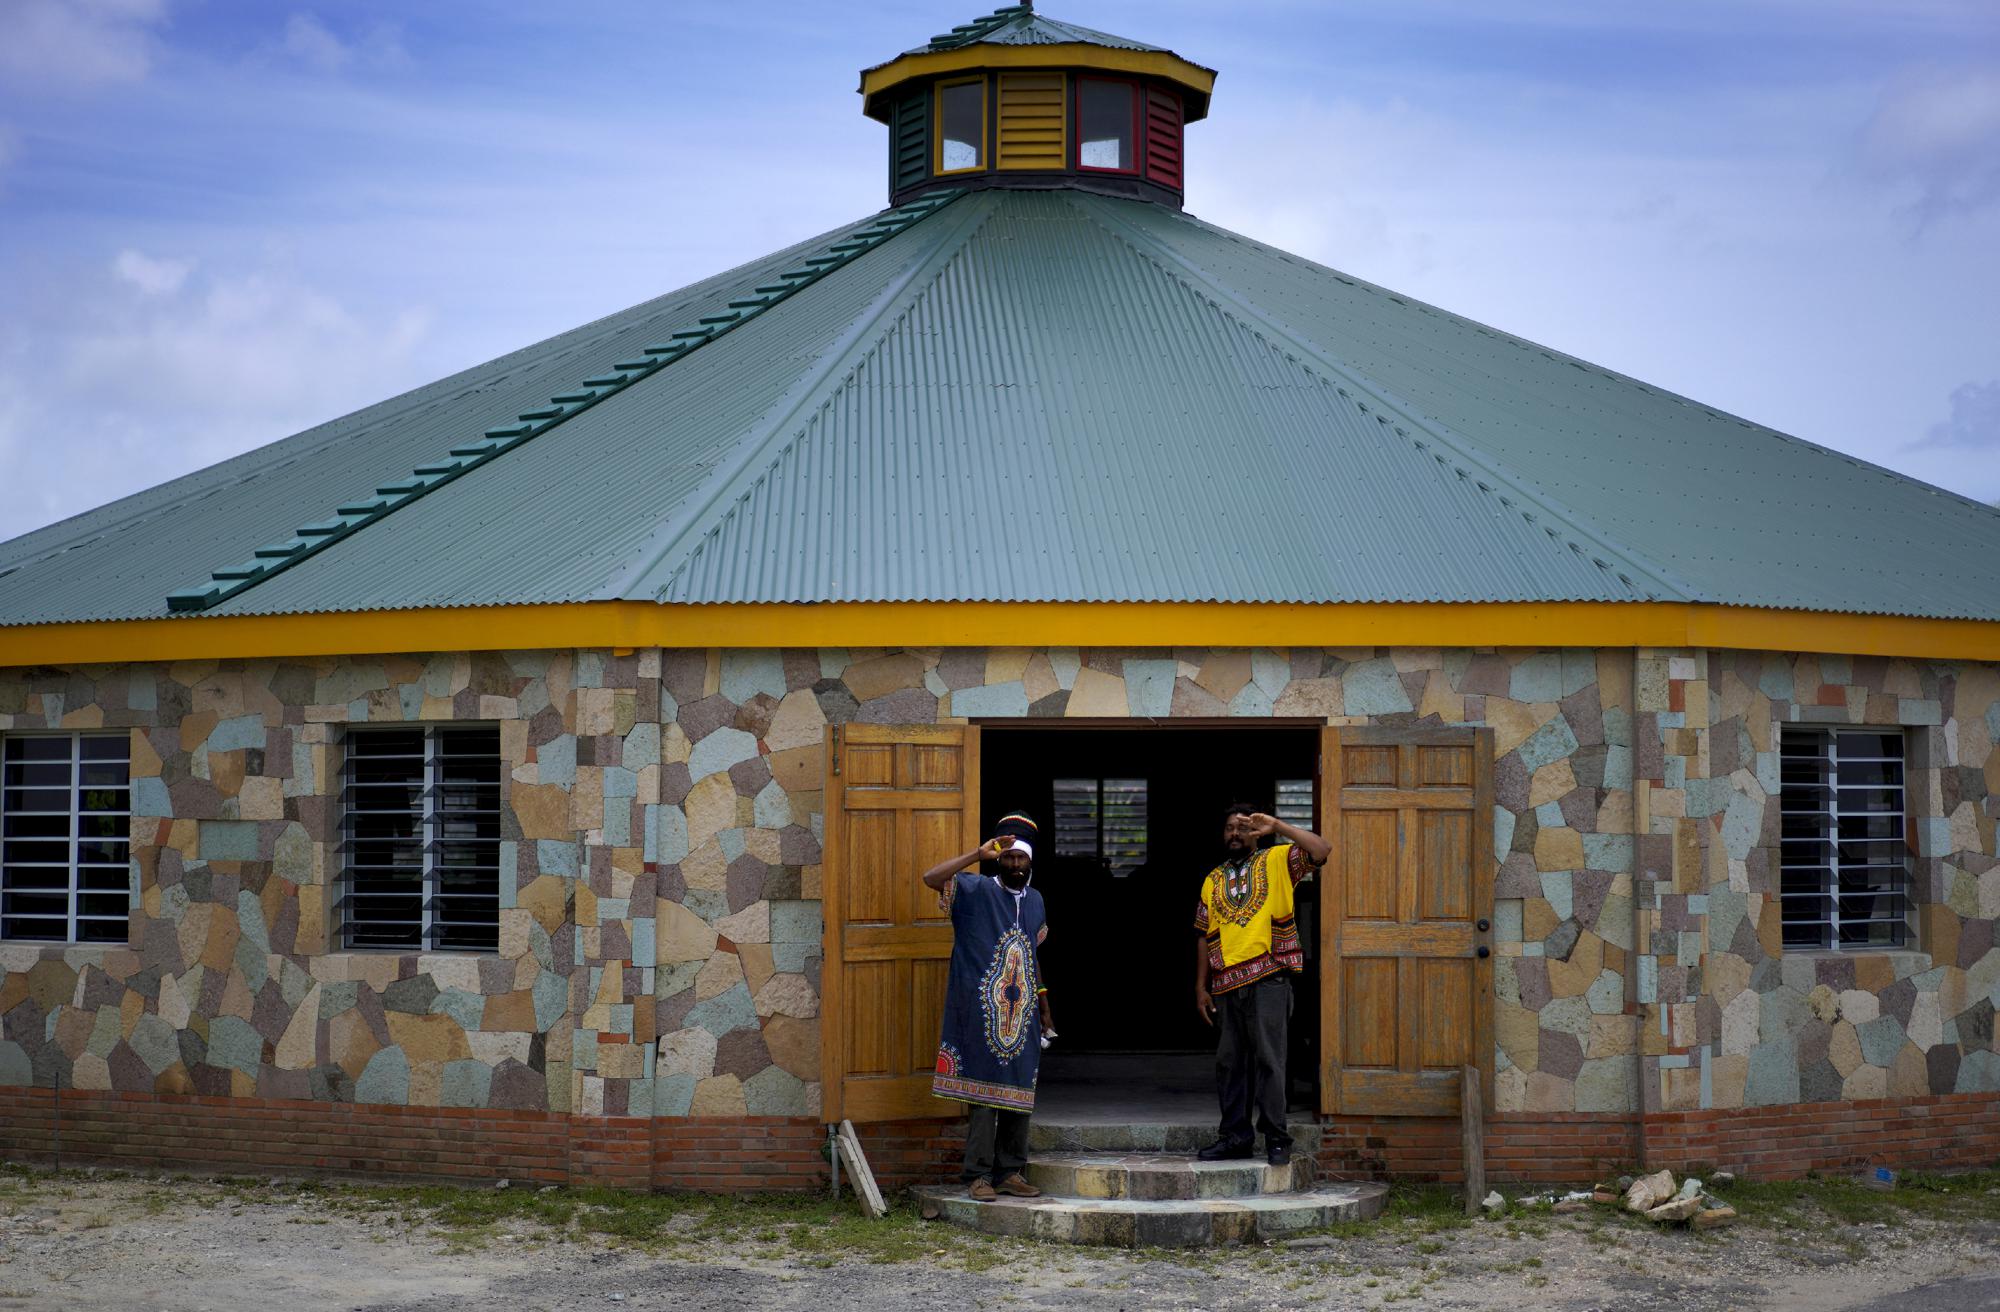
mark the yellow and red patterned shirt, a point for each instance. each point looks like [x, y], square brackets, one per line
[1246, 912]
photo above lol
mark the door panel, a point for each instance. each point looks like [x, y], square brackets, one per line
[898, 801]
[1409, 995]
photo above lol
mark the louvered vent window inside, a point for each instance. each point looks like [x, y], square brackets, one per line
[421, 839]
[1295, 802]
[1102, 820]
[1843, 854]
[65, 825]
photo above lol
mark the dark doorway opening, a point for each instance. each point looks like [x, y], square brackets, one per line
[1131, 823]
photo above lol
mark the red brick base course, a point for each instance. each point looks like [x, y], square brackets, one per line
[247, 1136]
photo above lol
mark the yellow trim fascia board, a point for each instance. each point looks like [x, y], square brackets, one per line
[630, 624]
[1072, 54]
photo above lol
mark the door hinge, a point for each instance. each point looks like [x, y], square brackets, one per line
[834, 731]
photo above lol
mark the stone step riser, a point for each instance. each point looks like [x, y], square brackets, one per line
[1149, 1138]
[1158, 1225]
[1155, 1179]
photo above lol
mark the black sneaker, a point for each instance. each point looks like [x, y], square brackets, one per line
[1224, 1151]
[1279, 1154]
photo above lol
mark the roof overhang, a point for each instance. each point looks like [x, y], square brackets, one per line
[631, 624]
[1197, 81]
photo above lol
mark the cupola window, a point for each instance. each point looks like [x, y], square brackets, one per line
[961, 117]
[1107, 125]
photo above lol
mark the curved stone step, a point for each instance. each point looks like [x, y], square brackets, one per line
[1156, 1176]
[1157, 1223]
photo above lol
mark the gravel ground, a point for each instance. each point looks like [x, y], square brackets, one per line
[122, 1242]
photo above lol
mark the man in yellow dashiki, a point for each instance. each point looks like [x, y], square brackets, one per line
[1248, 952]
[990, 1044]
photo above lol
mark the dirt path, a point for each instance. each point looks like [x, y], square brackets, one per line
[195, 1246]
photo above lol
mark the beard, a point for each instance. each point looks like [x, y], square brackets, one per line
[1014, 880]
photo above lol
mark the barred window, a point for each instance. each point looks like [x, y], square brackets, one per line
[65, 828]
[1843, 855]
[421, 839]
[1102, 820]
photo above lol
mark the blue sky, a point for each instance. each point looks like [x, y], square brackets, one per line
[222, 221]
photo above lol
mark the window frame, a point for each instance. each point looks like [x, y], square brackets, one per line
[1136, 140]
[938, 170]
[428, 836]
[74, 839]
[1901, 928]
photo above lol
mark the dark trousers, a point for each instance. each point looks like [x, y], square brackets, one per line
[996, 1144]
[1250, 1059]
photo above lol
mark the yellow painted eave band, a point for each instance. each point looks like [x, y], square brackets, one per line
[1012, 624]
[1142, 63]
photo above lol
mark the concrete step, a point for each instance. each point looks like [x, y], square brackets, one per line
[1156, 1176]
[1058, 1134]
[1157, 1223]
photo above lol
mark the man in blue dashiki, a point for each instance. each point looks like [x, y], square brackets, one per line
[990, 1048]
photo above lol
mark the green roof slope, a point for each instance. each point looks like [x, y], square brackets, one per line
[1047, 396]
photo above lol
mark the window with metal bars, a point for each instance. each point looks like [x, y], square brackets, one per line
[1102, 820]
[420, 839]
[65, 827]
[1843, 856]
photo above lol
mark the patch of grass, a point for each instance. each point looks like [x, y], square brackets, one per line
[1817, 1200]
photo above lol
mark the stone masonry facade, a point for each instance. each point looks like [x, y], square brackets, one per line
[660, 934]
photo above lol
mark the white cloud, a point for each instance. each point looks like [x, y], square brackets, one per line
[307, 39]
[1937, 132]
[79, 43]
[151, 276]
[1974, 420]
[157, 370]
[314, 44]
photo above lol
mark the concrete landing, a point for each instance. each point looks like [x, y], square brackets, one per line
[1159, 1223]
[1161, 1176]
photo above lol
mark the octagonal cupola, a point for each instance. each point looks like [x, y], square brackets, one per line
[1018, 99]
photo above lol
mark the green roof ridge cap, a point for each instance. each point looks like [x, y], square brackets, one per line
[1316, 358]
[966, 33]
[356, 513]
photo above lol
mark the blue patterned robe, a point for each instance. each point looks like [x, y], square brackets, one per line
[990, 1049]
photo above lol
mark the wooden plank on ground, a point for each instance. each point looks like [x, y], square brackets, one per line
[1472, 1122]
[857, 1170]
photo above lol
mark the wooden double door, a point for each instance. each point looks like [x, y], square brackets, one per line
[1403, 968]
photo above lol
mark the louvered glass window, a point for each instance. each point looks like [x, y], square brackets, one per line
[421, 839]
[1102, 820]
[65, 850]
[1295, 802]
[1843, 855]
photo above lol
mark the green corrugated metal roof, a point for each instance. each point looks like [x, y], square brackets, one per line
[1055, 396]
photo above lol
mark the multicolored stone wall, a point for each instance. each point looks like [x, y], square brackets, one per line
[661, 870]
[229, 983]
[1730, 1019]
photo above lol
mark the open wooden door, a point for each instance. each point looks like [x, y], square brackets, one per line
[1406, 991]
[899, 799]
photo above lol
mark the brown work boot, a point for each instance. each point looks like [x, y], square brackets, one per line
[1018, 1186]
[981, 1191]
